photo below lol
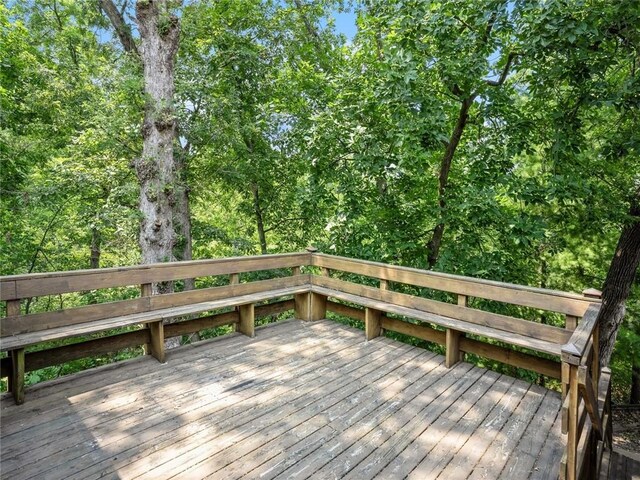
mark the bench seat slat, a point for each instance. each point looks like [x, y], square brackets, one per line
[27, 339]
[462, 326]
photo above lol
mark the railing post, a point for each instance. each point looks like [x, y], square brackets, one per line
[310, 306]
[570, 322]
[17, 375]
[16, 380]
[453, 354]
[156, 330]
[372, 323]
[572, 430]
[247, 320]
[234, 279]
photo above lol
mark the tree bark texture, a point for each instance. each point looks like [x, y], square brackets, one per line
[259, 219]
[122, 29]
[620, 278]
[635, 384]
[156, 169]
[94, 261]
[433, 245]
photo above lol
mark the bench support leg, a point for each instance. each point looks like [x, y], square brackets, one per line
[310, 306]
[17, 375]
[372, 323]
[247, 320]
[157, 340]
[453, 354]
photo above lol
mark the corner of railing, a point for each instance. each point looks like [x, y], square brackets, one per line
[582, 391]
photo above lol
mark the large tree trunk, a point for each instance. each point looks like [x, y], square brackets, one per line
[617, 285]
[156, 168]
[433, 245]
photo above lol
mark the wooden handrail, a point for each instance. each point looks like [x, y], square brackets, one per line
[551, 300]
[576, 348]
[586, 417]
[38, 284]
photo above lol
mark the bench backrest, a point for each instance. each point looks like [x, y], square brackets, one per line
[17, 287]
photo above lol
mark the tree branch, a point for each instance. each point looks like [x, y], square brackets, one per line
[505, 72]
[123, 30]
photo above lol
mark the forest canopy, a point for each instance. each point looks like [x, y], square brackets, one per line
[496, 139]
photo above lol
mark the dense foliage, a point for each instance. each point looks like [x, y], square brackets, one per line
[510, 131]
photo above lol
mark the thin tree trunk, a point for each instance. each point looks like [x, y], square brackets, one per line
[94, 261]
[634, 399]
[434, 243]
[182, 220]
[617, 285]
[259, 219]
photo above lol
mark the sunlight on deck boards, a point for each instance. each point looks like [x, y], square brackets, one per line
[300, 400]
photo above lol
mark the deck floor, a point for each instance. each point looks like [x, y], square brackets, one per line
[300, 400]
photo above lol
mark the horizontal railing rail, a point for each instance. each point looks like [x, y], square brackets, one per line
[39, 284]
[544, 299]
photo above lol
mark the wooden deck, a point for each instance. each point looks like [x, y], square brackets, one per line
[300, 400]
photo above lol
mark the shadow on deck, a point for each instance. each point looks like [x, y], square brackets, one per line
[300, 400]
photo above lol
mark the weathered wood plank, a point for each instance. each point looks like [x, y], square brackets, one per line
[156, 332]
[226, 348]
[372, 323]
[462, 465]
[246, 325]
[545, 366]
[96, 422]
[313, 400]
[373, 451]
[346, 310]
[589, 395]
[187, 327]
[240, 420]
[563, 302]
[17, 375]
[423, 332]
[224, 395]
[576, 347]
[522, 461]
[456, 441]
[115, 377]
[269, 459]
[269, 428]
[34, 285]
[415, 460]
[492, 462]
[547, 465]
[452, 346]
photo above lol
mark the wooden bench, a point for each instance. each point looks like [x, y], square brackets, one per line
[456, 320]
[19, 331]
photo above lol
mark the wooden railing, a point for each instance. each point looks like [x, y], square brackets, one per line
[314, 284]
[586, 409]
